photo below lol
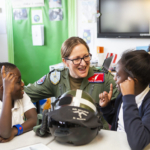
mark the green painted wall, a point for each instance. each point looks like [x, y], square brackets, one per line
[34, 61]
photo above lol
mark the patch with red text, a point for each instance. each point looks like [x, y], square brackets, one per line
[97, 78]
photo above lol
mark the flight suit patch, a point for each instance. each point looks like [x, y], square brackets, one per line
[97, 78]
[55, 77]
[41, 81]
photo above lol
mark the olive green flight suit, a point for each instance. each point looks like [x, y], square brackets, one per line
[48, 89]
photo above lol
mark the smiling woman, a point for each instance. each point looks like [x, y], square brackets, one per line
[78, 60]
[76, 56]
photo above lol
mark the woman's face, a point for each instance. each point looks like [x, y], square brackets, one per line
[80, 70]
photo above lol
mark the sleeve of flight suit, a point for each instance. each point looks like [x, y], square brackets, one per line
[38, 91]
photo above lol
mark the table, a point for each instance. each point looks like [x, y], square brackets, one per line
[105, 140]
[26, 139]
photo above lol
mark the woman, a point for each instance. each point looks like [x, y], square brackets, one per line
[78, 75]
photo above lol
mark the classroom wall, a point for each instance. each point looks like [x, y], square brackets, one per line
[115, 45]
[109, 44]
[33, 61]
[3, 34]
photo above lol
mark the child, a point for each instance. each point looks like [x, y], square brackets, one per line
[14, 104]
[131, 111]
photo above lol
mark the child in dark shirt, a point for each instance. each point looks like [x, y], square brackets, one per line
[131, 111]
[14, 104]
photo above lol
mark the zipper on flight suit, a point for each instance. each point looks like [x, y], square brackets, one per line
[60, 89]
[91, 89]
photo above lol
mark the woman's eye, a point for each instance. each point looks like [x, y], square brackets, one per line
[77, 59]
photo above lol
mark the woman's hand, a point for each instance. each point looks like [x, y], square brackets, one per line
[105, 97]
[127, 87]
[14, 132]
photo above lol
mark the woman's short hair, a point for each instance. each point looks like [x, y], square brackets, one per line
[138, 63]
[69, 44]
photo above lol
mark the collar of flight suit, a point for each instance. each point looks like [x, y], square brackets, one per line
[65, 75]
[85, 81]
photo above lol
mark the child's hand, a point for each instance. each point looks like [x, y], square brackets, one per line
[105, 97]
[8, 80]
[14, 132]
[127, 87]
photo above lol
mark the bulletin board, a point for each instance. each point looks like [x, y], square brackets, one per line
[34, 61]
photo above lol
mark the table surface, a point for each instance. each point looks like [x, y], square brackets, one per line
[105, 140]
[26, 139]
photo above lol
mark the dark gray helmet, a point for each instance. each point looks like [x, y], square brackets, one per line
[76, 119]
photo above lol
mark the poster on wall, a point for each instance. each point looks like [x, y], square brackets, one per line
[87, 34]
[26, 3]
[20, 14]
[37, 17]
[55, 14]
[55, 3]
[88, 11]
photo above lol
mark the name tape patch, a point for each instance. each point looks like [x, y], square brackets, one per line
[97, 78]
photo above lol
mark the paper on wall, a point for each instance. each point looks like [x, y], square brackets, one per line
[37, 16]
[87, 33]
[88, 11]
[20, 14]
[27, 3]
[55, 14]
[55, 3]
[38, 35]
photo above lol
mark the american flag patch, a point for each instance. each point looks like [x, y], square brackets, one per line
[40, 81]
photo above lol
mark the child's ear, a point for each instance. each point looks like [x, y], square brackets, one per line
[135, 81]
